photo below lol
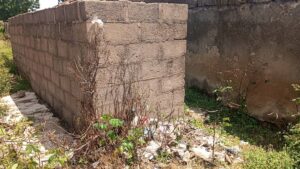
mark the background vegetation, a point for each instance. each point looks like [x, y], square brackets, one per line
[10, 80]
[9, 8]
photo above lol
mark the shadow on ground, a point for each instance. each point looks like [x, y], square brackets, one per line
[238, 122]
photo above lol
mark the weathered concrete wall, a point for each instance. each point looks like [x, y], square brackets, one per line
[128, 44]
[253, 47]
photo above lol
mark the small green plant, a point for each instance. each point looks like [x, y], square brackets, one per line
[292, 139]
[296, 100]
[57, 158]
[164, 156]
[258, 158]
[125, 141]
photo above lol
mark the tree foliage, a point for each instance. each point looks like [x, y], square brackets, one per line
[9, 8]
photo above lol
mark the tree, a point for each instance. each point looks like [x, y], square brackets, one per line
[9, 8]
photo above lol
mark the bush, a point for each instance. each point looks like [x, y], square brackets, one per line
[258, 158]
[293, 143]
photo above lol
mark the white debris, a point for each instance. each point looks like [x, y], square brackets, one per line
[23, 105]
[97, 21]
[243, 142]
[152, 147]
[95, 164]
[202, 152]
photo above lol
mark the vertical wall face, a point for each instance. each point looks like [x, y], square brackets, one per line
[144, 56]
[132, 43]
[256, 47]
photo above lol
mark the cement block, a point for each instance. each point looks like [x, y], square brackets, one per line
[107, 11]
[171, 83]
[142, 12]
[115, 33]
[173, 12]
[62, 49]
[60, 15]
[49, 60]
[156, 32]
[55, 78]
[173, 49]
[72, 12]
[65, 83]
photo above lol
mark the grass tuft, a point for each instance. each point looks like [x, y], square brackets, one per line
[235, 122]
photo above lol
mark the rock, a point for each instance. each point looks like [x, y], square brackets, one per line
[220, 156]
[182, 146]
[233, 150]
[166, 128]
[153, 147]
[19, 94]
[237, 160]
[148, 156]
[228, 159]
[202, 152]
[135, 121]
[95, 164]
[186, 156]
[243, 142]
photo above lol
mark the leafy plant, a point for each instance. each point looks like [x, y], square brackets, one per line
[296, 100]
[57, 158]
[124, 143]
[292, 139]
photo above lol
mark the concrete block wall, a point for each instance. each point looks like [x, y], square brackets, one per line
[213, 3]
[254, 48]
[251, 45]
[146, 38]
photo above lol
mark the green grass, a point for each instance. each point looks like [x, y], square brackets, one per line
[267, 146]
[10, 81]
[258, 158]
[238, 122]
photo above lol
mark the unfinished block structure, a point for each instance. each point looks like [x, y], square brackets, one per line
[104, 55]
[251, 45]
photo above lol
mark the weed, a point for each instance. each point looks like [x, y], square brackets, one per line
[235, 122]
[258, 158]
[164, 156]
[112, 137]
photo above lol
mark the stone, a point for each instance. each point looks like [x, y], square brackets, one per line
[233, 150]
[117, 34]
[202, 152]
[153, 147]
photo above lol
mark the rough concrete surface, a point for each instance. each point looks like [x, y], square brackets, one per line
[252, 47]
[91, 53]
